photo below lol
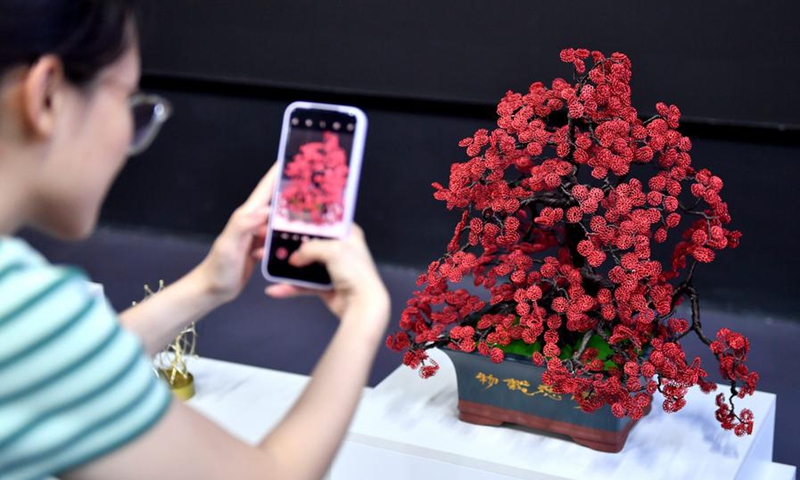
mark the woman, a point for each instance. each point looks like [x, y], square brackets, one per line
[77, 396]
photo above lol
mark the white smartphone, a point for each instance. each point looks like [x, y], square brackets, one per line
[319, 159]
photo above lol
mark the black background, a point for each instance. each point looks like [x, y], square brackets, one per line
[429, 73]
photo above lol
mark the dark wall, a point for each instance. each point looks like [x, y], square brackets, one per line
[733, 61]
[428, 74]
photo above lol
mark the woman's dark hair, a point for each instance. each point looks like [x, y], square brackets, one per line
[87, 35]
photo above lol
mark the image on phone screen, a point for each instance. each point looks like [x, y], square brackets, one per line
[311, 199]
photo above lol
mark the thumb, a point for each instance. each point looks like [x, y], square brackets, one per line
[248, 222]
[322, 251]
[262, 194]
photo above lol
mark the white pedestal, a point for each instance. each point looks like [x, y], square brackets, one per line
[407, 428]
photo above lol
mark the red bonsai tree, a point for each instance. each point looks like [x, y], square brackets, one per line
[317, 177]
[564, 206]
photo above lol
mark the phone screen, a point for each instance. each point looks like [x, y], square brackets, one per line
[311, 201]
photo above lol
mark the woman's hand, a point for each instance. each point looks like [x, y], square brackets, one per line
[238, 249]
[360, 299]
[358, 294]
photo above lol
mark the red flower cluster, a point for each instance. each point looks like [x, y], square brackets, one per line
[731, 350]
[317, 177]
[560, 233]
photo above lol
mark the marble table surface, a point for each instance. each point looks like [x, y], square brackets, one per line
[407, 427]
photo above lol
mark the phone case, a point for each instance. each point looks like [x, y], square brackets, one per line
[351, 190]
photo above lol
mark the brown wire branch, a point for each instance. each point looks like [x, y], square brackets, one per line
[584, 341]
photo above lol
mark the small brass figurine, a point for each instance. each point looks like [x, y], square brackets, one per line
[170, 363]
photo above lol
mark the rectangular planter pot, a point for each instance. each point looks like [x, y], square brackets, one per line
[512, 392]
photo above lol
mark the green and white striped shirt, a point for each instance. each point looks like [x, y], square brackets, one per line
[73, 384]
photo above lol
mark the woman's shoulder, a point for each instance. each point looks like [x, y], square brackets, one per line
[73, 383]
[16, 250]
[49, 316]
[35, 292]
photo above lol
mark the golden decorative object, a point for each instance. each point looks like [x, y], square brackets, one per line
[521, 386]
[488, 380]
[170, 363]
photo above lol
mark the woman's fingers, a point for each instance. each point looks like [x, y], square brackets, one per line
[283, 290]
[357, 232]
[263, 192]
[248, 223]
[250, 219]
[356, 282]
[322, 251]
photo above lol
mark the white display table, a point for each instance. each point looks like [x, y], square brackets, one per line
[407, 428]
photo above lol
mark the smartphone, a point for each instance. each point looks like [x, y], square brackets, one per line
[315, 196]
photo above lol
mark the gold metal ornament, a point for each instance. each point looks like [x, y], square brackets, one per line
[170, 363]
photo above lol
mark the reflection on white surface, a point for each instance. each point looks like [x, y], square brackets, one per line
[419, 416]
[407, 427]
[246, 401]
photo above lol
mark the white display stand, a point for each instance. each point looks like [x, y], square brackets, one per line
[407, 428]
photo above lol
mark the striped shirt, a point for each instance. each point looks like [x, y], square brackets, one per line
[73, 384]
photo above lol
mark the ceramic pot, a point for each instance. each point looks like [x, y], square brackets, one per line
[512, 392]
